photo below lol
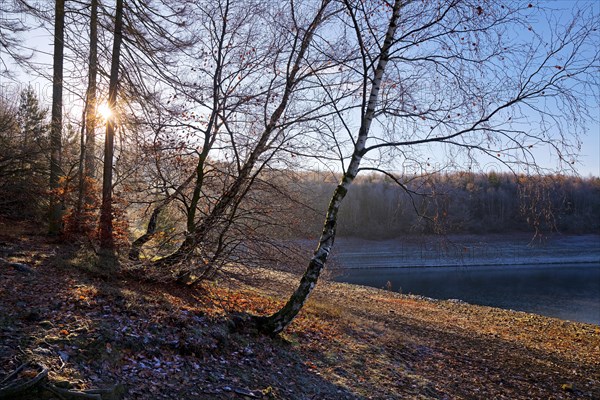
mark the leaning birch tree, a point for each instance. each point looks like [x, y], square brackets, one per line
[456, 81]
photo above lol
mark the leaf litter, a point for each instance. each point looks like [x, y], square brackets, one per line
[164, 341]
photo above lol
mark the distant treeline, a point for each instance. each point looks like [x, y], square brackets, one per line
[378, 207]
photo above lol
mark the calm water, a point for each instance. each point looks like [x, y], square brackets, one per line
[566, 291]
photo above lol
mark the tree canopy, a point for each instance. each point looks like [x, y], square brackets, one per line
[217, 107]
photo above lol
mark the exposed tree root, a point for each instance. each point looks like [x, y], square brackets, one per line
[21, 380]
[23, 268]
[114, 393]
[31, 377]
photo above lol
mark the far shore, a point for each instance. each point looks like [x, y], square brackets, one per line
[591, 263]
[466, 250]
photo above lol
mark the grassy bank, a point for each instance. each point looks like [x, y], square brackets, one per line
[167, 342]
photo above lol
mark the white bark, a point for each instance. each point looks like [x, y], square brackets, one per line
[278, 321]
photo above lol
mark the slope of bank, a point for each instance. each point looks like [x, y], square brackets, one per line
[167, 342]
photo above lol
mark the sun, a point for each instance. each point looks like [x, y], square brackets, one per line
[104, 111]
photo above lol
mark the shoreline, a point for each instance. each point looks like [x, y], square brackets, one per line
[591, 263]
[464, 251]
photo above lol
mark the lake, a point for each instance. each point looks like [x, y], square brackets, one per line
[551, 287]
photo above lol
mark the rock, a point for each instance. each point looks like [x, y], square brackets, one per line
[240, 391]
[245, 392]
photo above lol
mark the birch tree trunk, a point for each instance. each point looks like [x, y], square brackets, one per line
[106, 222]
[56, 124]
[277, 322]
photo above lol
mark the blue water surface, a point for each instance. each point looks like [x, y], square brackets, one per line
[569, 291]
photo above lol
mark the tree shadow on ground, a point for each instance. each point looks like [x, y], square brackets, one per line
[157, 339]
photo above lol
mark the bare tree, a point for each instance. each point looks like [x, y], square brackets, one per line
[453, 77]
[91, 95]
[82, 220]
[12, 25]
[251, 81]
[106, 211]
[55, 217]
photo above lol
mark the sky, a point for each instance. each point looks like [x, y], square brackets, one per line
[589, 159]
[40, 40]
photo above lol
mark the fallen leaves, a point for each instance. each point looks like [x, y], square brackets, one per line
[349, 342]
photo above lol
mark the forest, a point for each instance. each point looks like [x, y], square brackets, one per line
[462, 202]
[376, 207]
[153, 149]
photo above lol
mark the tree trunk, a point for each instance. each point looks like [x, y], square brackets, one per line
[90, 118]
[106, 223]
[277, 322]
[87, 159]
[282, 318]
[136, 246]
[80, 169]
[55, 221]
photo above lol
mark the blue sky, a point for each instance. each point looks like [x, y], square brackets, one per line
[588, 162]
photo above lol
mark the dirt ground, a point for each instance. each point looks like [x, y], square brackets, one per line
[162, 341]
